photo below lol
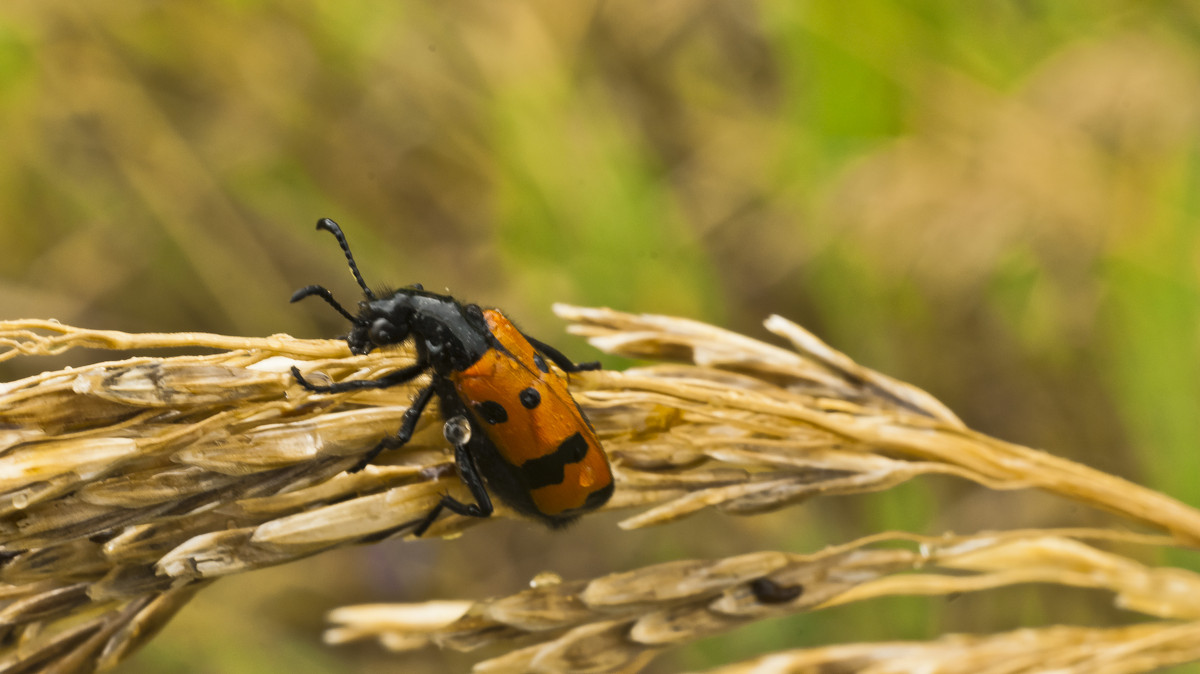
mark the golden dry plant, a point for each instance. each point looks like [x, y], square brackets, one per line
[126, 486]
[618, 623]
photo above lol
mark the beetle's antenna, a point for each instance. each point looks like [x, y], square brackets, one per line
[332, 227]
[324, 294]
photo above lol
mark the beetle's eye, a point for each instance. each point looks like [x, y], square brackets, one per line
[382, 332]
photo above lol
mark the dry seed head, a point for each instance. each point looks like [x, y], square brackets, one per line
[618, 622]
[1058, 649]
[126, 485]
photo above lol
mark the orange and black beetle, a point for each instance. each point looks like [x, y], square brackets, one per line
[528, 438]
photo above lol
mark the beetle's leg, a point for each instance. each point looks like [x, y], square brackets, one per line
[396, 378]
[559, 359]
[408, 424]
[469, 473]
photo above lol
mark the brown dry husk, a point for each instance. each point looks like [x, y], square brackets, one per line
[126, 486]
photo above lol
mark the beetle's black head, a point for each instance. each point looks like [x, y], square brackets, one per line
[449, 336]
[382, 322]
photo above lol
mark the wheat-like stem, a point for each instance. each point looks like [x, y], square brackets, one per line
[127, 485]
[1059, 649]
[616, 623]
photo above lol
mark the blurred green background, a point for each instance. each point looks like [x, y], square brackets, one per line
[995, 201]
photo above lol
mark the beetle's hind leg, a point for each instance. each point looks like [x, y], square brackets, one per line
[559, 358]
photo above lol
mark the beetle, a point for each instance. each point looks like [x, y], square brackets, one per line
[525, 436]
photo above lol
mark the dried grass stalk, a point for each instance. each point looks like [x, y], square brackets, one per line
[1059, 649]
[616, 623]
[808, 422]
[126, 485]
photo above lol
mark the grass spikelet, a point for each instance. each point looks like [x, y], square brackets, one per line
[127, 485]
[1061, 649]
[616, 623]
[795, 424]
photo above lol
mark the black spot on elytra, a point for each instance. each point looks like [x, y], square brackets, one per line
[547, 470]
[530, 398]
[492, 412]
[573, 449]
[540, 362]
